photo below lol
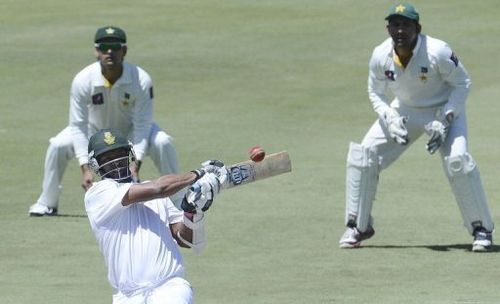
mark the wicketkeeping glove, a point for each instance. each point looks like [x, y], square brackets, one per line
[395, 124]
[438, 130]
[201, 194]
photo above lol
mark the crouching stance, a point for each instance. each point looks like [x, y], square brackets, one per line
[138, 228]
[430, 86]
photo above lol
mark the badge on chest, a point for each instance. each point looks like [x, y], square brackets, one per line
[97, 99]
[423, 74]
[126, 99]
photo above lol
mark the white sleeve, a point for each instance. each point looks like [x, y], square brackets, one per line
[143, 114]
[454, 74]
[104, 199]
[175, 215]
[79, 120]
[377, 86]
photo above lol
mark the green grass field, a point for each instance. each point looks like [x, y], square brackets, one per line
[288, 75]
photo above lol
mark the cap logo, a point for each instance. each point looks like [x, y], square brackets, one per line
[400, 8]
[110, 31]
[109, 138]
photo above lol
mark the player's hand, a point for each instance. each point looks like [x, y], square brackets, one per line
[218, 168]
[396, 125]
[201, 194]
[437, 130]
[134, 171]
[87, 179]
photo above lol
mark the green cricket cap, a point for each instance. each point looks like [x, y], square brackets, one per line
[403, 9]
[106, 140]
[110, 32]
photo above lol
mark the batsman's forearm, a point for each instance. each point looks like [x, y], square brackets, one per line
[170, 184]
[164, 186]
[85, 168]
[187, 234]
[182, 233]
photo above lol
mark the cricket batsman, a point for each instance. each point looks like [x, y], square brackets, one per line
[138, 228]
[430, 86]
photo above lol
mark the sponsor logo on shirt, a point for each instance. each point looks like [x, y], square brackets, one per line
[97, 99]
[390, 74]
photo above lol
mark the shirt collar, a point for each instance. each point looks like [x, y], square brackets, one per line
[414, 51]
[99, 81]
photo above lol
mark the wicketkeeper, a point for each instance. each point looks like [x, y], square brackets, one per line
[430, 86]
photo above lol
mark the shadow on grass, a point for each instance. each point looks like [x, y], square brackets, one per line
[450, 247]
[60, 215]
[71, 215]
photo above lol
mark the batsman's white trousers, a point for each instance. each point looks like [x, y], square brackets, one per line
[174, 291]
[60, 151]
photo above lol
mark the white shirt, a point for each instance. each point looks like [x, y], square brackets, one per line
[433, 77]
[135, 240]
[126, 106]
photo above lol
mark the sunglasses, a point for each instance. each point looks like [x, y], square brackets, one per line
[105, 46]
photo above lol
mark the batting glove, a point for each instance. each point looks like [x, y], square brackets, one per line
[218, 168]
[201, 194]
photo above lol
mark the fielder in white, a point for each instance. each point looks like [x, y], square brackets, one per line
[138, 228]
[109, 93]
[430, 86]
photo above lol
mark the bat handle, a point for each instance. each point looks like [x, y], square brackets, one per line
[226, 184]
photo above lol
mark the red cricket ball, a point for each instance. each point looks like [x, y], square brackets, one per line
[257, 154]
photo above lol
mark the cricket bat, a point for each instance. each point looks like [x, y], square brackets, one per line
[248, 171]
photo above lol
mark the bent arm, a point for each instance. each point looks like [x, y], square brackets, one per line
[190, 233]
[164, 186]
[455, 74]
[142, 119]
[377, 86]
[185, 233]
[79, 120]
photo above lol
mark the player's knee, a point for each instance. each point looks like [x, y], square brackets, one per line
[163, 140]
[461, 164]
[361, 156]
[58, 144]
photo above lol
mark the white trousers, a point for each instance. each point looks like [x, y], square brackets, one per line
[174, 291]
[466, 186]
[388, 150]
[60, 151]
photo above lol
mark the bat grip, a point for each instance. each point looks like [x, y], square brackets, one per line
[227, 182]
